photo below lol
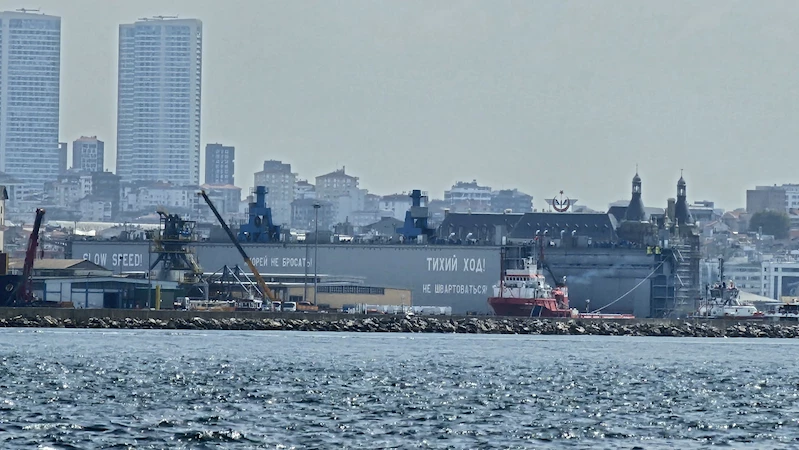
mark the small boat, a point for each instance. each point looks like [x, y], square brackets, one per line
[723, 301]
[785, 312]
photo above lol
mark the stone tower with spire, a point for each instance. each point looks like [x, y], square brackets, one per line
[635, 210]
[682, 215]
[636, 227]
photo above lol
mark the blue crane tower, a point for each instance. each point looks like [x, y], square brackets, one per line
[416, 227]
[259, 227]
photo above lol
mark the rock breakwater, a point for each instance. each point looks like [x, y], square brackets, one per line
[419, 324]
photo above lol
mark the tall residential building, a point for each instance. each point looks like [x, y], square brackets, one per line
[219, 161]
[280, 182]
[341, 190]
[62, 157]
[158, 102]
[88, 154]
[30, 72]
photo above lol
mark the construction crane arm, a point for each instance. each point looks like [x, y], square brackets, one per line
[258, 278]
[26, 293]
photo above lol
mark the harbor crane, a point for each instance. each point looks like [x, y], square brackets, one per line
[265, 291]
[25, 294]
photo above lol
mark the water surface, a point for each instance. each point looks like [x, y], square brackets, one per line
[64, 388]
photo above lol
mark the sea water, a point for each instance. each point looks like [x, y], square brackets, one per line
[66, 388]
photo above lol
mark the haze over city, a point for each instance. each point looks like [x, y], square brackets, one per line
[540, 96]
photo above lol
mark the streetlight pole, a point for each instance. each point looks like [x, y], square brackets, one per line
[316, 207]
[305, 287]
[149, 272]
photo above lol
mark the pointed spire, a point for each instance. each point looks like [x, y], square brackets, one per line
[682, 213]
[635, 209]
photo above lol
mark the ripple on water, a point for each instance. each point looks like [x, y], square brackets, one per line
[156, 389]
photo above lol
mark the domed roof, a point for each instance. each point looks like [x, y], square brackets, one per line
[681, 182]
[636, 178]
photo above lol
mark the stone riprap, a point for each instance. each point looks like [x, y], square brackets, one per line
[421, 324]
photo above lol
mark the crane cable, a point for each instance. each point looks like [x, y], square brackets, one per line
[634, 288]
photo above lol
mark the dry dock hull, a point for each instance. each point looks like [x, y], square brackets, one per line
[461, 277]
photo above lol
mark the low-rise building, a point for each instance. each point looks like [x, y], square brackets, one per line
[94, 208]
[226, 198]
[338, 296]
[511, 200]
[106, 186]
[386, 227]
[68, 188]
[468, 196]
[147, 197]
[60, 268]
[780, 279]
[364, 218]
[346, 206]
[395, 205]
[303, 214]
[705, 211]
[304, 189]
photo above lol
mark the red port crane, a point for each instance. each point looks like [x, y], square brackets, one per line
[26, 292]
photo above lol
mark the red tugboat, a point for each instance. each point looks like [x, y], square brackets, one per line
[524, 292]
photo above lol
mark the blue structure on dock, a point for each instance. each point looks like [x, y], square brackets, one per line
[416, 220]
[259, 227]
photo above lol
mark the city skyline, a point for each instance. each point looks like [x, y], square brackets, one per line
[418, 95]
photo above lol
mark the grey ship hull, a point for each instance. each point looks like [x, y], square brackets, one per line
[461, 277]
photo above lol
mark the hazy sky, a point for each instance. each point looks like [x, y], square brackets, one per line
[539, 95]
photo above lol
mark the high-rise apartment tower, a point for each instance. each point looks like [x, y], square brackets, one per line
[158, 102]
[30, 72]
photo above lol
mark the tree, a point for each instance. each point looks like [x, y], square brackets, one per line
[775, 223]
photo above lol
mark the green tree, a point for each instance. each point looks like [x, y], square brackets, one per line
[775, 223]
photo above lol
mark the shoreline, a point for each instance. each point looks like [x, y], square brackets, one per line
[265, 321]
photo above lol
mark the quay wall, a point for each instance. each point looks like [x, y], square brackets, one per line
[84, 315]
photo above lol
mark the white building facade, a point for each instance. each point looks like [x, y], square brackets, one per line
[158, 101]
[147, 198]
[780, 279]
[342, 192]
[280, 183]
[395, 205]
[30, 72]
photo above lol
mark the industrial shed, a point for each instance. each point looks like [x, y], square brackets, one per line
[61, 268]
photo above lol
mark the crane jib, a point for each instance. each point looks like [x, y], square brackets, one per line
[258, 278]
